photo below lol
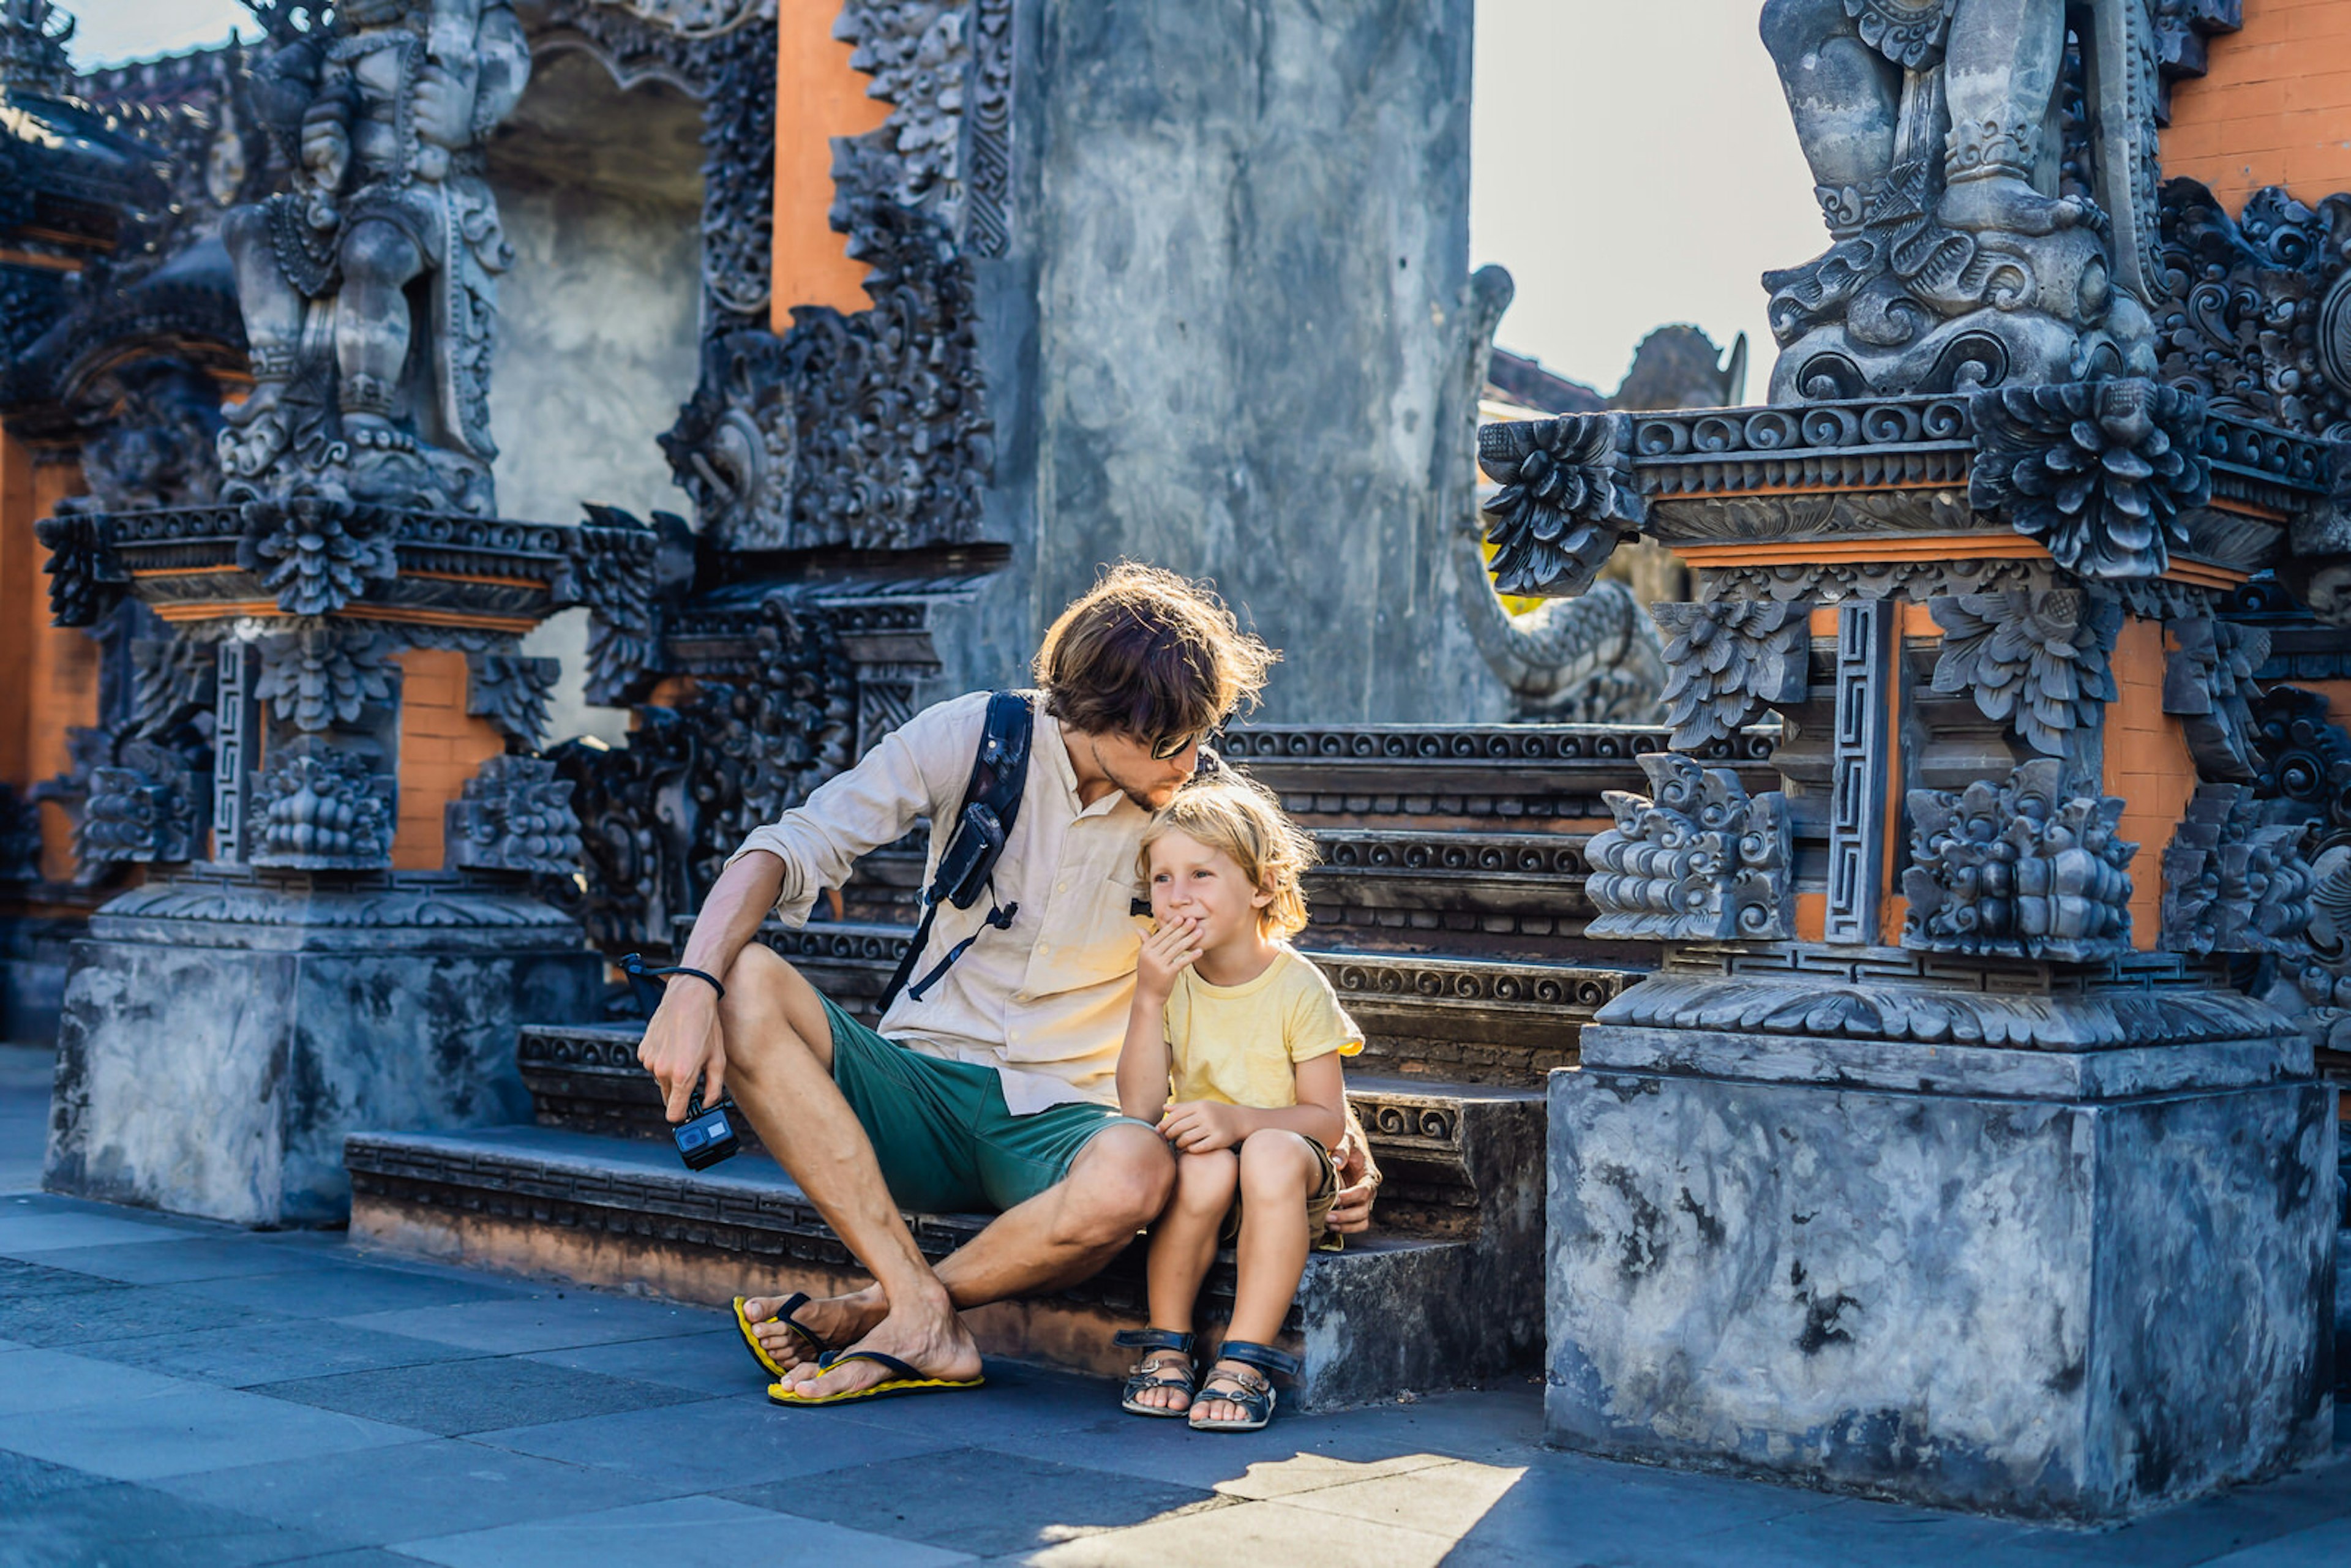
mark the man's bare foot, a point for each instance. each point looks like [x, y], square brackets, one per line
[2007, 205]
[840, 1319]
[929, 1338]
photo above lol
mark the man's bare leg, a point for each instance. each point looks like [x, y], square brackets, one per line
[779, 1066]
[1116, 1186]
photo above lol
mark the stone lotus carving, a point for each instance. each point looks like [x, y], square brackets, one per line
[610, 570]
[1697, 860]
[2098, 472]
[1567, 498]
[1727, 657]
[324, 675]
[2018, 868]
[316, 553]
[152, 805]
[2208, 683]
[322, 808]
[2234, 879]
[2302, 756]
[84, 580]
[511, 692]
[515, 815]
[2035, 661]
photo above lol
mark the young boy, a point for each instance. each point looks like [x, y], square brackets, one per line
[1249, 1034]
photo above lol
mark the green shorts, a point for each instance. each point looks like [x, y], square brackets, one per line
[946, 1142]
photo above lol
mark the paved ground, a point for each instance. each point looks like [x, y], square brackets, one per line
[172, 1392]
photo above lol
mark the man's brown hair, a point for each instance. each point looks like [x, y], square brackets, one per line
[1150, 654]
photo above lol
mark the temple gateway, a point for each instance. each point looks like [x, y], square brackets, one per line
[1850, 895]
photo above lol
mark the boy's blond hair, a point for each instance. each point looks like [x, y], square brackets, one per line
[1242, 818]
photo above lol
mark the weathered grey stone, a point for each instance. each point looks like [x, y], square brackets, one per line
[2036, 1306]
[212, 1065]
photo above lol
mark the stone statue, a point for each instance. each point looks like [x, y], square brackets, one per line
[1992, 203]
[366, 385]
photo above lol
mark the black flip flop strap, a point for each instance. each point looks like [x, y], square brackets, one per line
[889, 1364]
[793, 1304]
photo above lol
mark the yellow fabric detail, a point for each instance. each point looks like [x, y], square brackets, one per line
[1239, 1045]
[742, 1323]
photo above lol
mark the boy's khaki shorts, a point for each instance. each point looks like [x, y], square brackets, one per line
[1319, 1237]
[946, 1141]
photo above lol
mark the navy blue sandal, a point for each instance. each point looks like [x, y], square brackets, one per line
[1251, 1389]
[1147, 1374]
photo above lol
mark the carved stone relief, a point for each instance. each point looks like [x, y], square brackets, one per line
[1726, 658]
[2036, 661]
[2020, 868]
[2098, 472]
[2234, 880]
[515, 815]
[1568, 496]
[2208, 683]
[1697, 860]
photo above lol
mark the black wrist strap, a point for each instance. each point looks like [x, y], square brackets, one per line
[702, 975]
[648, 996]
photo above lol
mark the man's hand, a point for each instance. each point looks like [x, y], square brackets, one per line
[1166, 953]
[684, 1047]
[1359, 1178]
[1200, 1126]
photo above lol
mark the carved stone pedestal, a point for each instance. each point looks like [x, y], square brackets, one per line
[224, 1028]
[1992, 1237]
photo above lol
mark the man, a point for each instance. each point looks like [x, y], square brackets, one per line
[996, 1087]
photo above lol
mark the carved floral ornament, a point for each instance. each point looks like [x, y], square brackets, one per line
[2018, 868]
[2036, 661]
[2099, 472]
[1567, 498]
[1697, 860]
[1726, 658]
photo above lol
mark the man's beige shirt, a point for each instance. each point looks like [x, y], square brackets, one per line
[1045, 1003]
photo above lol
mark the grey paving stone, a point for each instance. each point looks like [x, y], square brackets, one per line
[2329, 1546]
[719, 1444]
[34, 1380]
[447, 1399]
[121, 1526]
[23, 1480]
[1047, 1402]
[197, 1257]
[116, 1312]
[360, 1557]
[19, 1279]
[328, 1288]
[29, 1234]
[1163, 1451]
[199, 1429]
[713, 1363]
[685, 1532]
[273, 1351]
[545, 1322]
[2213, 1526]
[971, 1500]
[442, 1487]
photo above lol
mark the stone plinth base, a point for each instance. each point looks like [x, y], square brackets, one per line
[223, 1031]
[1930, 1277]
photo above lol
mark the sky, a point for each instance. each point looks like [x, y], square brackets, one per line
[1632, 164]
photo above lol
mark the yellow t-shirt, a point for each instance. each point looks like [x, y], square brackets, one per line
[1237, 1044]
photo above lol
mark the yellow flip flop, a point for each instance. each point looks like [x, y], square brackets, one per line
[783, 1315]
[903, 1379]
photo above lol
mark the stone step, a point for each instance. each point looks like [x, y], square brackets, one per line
[1541, 776]
[1386, 1314]
[585, 1078]
[1430, 1016]
[1459, 892]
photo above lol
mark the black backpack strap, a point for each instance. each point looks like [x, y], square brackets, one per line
[991, 805]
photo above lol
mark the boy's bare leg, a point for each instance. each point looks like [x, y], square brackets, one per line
[1183, 1245]
[1062, 1236]
[1278, 1176]
[779, 1068]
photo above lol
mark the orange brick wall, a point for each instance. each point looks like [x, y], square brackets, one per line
[2147, 764]
[2275, 108]
[817, 97]
[440, 747]
[50, 672]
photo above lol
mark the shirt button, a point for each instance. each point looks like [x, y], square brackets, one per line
[1061, 887]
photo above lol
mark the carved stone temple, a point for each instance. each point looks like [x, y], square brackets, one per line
[1966, 1143]
[1849, 897]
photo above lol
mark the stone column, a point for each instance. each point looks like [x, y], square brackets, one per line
[1940, 1159]
[275, 982]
